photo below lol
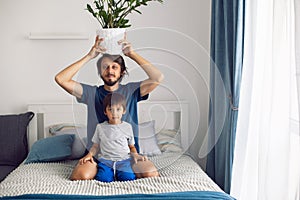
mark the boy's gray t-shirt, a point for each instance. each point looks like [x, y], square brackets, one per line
[113, 140]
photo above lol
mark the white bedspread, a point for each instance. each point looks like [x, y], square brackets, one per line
[177, 173]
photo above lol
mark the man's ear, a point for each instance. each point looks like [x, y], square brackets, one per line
[124, 111]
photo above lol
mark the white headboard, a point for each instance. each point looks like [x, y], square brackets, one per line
[167, 114]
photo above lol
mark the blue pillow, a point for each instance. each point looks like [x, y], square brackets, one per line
[49, 149]
[79, 144]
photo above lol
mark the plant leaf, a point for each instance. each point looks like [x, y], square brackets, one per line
[112, 13]
[97, 5]
[90, 9]
[137, 11]
[103, 15]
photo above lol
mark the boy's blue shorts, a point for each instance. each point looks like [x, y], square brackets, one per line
[109, 171]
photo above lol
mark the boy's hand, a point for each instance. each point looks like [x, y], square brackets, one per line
[87, 158]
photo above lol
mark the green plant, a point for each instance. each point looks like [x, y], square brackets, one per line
[113, 13]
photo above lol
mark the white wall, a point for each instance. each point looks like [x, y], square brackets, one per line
[173, 35]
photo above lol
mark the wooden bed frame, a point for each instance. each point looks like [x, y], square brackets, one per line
[167, 115]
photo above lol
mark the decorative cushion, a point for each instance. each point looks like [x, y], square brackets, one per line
[13, 134]
[168, 140]
[49, 149]
[170, 148]
[147, 140]
[5, 170]
[79, 144]
[63, 126]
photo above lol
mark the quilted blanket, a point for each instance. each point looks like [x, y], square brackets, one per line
[178, 173]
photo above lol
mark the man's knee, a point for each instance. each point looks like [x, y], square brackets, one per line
[84, 172]
[145, 169]
[76, 176]
[149, 174]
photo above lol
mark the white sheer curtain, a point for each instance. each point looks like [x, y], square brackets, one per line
[297, 58]
[266, 159]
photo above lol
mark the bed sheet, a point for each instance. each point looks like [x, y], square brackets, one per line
[178, 173]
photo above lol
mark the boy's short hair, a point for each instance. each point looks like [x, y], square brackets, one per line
[114, 99]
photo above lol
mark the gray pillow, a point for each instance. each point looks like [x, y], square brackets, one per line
[13, 134]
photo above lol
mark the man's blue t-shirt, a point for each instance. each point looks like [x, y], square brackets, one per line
[93, 97]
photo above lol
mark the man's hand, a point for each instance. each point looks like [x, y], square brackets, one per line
[137, 157]
[97, 48]
[126, 46]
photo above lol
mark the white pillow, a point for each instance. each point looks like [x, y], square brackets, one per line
[79, 144]
[147, 140]
[166, 139]
[170, 148]
[169, 140]
[59, 127]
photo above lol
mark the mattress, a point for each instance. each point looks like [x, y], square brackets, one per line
[178, 172]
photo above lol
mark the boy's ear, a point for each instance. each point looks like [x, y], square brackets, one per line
[124, 111]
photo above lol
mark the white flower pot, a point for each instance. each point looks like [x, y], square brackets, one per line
[111, 37]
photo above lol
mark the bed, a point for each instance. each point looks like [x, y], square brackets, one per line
[163, 138]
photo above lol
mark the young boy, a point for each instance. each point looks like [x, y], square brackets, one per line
[114, 138]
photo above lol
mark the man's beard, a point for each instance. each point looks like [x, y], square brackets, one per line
[110, 83]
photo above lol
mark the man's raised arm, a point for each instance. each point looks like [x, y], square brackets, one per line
[65, 77]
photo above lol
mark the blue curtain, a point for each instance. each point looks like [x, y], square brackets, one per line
[227, 31]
